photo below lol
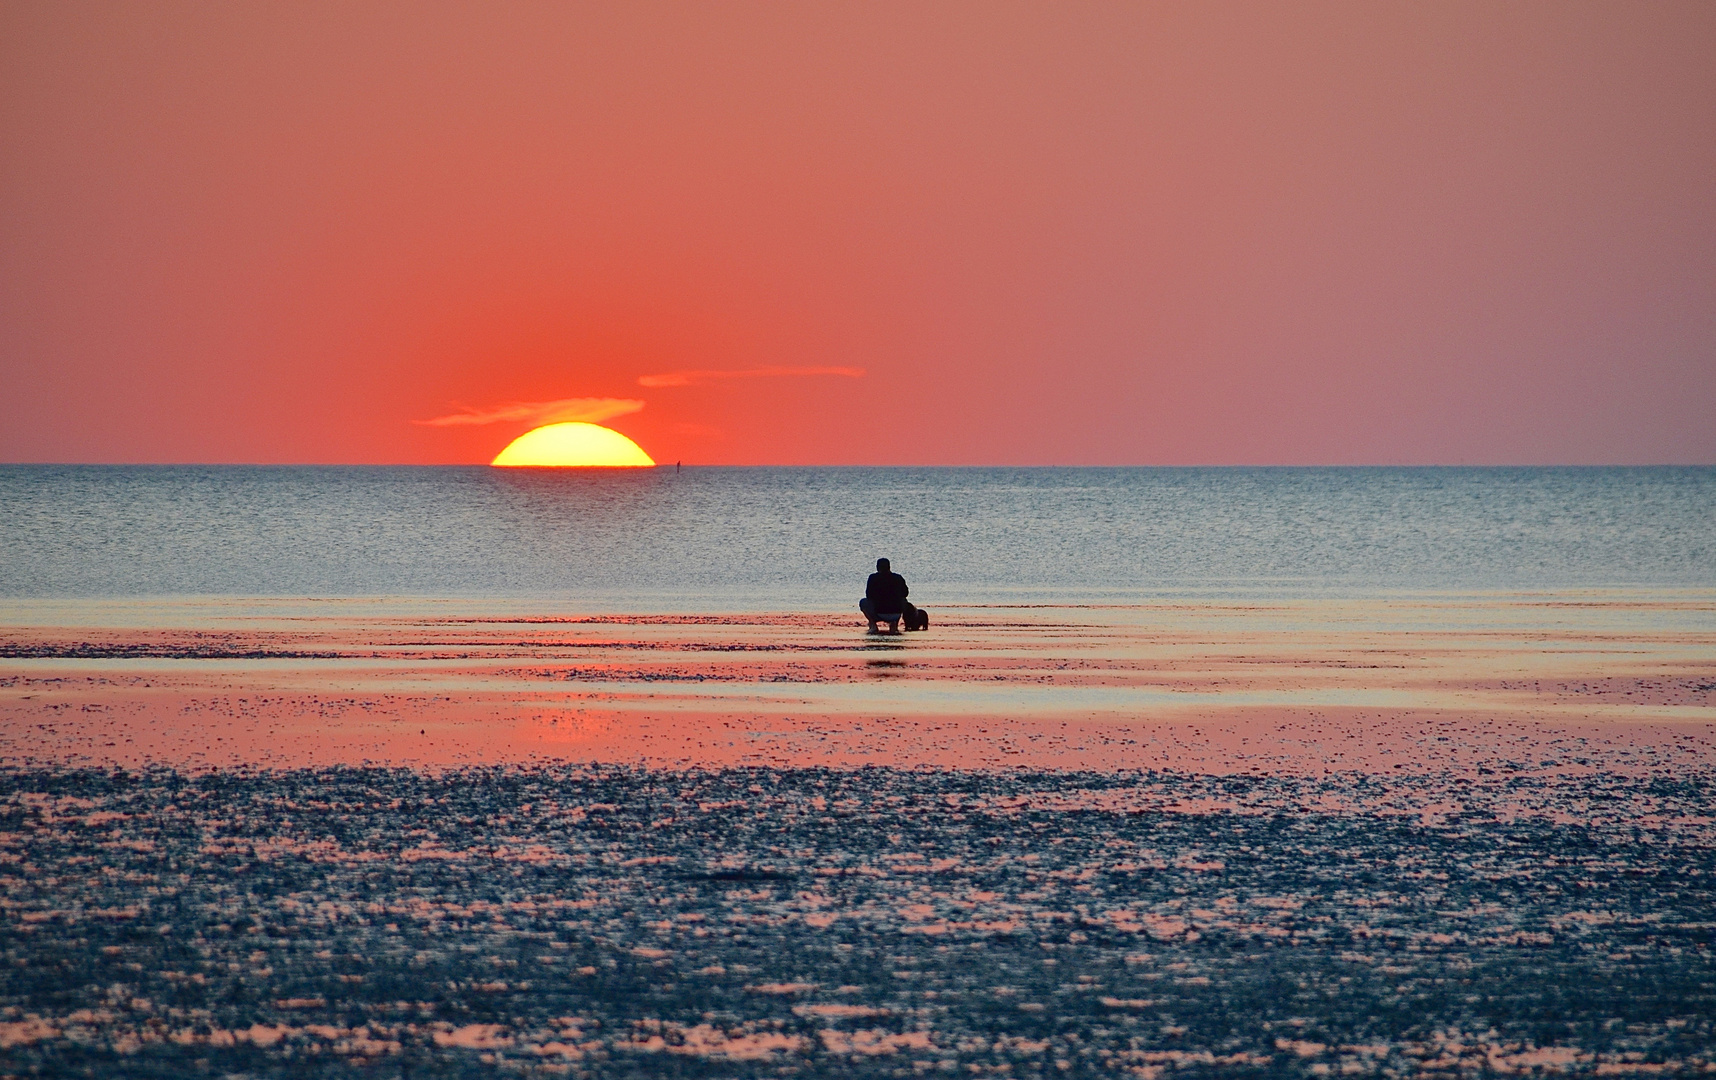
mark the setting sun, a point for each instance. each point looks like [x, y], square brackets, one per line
[572, 444]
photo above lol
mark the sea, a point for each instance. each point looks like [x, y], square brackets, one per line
[737, 539]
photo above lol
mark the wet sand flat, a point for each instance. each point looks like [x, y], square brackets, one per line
[1414, 682]
[1428, 835]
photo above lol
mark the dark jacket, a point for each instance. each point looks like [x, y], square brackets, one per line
[887, 592]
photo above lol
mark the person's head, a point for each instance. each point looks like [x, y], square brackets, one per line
[882, 566]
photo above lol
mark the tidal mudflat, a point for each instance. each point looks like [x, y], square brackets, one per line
[1405, 683]
[1437, 836]
[555, 921]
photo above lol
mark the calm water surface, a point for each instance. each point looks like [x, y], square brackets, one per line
[737, 538]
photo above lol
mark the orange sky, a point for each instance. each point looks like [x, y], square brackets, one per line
[1121, 233]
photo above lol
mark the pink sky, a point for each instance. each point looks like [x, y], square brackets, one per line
[1044, 234]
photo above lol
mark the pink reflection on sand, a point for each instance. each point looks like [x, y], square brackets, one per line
[1470, 686]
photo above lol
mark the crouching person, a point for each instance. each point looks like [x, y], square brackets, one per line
[885, 601]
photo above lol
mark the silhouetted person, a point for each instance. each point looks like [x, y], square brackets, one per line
[885, 601]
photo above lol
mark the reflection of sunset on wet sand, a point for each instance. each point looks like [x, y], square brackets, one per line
[1420, 682]
[1420, 835]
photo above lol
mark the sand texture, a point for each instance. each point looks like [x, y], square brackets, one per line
[867, 922]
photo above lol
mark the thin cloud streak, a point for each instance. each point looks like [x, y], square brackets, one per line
[697, 377]
[590, 410]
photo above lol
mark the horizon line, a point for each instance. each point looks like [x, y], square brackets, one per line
[862, 465]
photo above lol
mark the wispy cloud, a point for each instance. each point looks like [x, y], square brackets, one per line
[591, 410]
[699, 376]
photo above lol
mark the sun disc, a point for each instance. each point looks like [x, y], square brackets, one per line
[574, 444]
